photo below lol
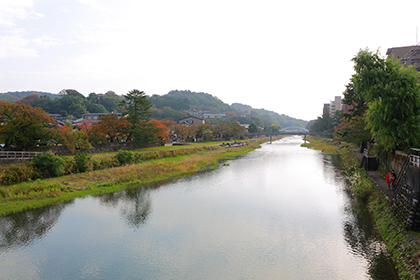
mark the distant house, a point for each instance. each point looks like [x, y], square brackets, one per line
[211, 115]
[191, 120]
[90, 118]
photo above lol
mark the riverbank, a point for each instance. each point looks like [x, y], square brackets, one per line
[402, 246]
[39, 193]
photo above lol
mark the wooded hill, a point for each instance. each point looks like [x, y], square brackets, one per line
[17, 95]
[172, 106]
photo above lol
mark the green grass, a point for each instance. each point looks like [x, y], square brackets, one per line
[323, 144]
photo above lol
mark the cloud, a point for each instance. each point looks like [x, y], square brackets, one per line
[46, 41]
[13, 10]
[94, 4]
[15, 45]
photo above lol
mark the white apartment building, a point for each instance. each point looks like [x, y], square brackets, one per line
[335, 105]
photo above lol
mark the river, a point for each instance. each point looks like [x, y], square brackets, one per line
[279, 212]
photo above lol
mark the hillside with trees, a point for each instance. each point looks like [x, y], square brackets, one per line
[172, 106]
[68, 102]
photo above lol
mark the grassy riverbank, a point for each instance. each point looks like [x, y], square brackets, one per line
[39, 193]
[401, 245]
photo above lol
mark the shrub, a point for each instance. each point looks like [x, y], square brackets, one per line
[16, 174]
[48, 165]
[69, 165]
[81, 162]
[138, 157]
[124, 157]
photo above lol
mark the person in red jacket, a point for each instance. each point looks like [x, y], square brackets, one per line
[390, 179]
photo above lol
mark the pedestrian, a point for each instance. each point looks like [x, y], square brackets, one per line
[389, 179]
[393, 179]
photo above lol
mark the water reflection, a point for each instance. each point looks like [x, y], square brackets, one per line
[281, 212]
[362, 237]
[22, 229]
[134, 203]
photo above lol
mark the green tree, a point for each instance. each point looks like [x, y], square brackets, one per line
[392, 93]
[205, 131]
[253, 128]
[77, 109]
[324, 123]
[137, 107]
[274, 128]
[356, 102]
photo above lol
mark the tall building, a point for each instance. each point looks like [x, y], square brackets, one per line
[335, 105]
[407, 55]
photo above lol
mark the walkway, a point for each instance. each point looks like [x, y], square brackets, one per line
[375, 175]
[380, 181]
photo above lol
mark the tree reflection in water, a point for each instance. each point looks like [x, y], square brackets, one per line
[22, 229]
[135, 204]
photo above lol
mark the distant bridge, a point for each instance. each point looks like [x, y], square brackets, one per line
[291, 131]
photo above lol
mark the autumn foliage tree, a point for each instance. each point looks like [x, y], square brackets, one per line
[110, 128]
[71, 139]
[24, 126]
[352, 130]
[161, 131]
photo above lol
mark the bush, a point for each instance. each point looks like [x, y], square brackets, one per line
[16, 174]
[124, 157]
[48, 165]
[68, 166]
[81, 162]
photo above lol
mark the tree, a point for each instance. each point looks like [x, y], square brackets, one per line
[110, 128]
[392, 93]
[221, 130]
[24, 126]
[253, 128]
[77, 109]
[72, 140]
[274, 128]
[356, 102]
[137, 106]
[205, 131]
[324, 123]
[235, 130]
[352, 130]
[161, 131]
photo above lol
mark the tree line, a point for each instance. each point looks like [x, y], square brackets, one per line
[384, 105]
[24, 126]
[73, 103]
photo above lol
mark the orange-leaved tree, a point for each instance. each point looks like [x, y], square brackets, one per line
[161, 131]
[23, 126]
[72, 140]
[110, 128]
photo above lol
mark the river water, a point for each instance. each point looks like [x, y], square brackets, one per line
[279, 212]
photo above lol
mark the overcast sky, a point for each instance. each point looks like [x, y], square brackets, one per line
[290, 57]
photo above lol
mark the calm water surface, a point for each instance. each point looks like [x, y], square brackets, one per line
[280, 212]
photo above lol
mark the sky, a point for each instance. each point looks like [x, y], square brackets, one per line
[289, 57]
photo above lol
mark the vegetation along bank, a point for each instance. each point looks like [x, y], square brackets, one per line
[121, 170]
[401, 244]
